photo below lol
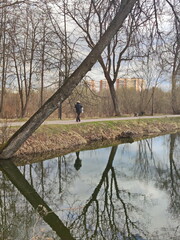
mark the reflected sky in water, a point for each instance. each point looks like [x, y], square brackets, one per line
[120, 192]
[134, 175]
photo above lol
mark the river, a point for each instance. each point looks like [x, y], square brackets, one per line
[126, 191]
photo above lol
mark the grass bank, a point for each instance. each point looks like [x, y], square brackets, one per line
[55, 140]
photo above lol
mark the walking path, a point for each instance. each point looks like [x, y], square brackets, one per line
[49, 122]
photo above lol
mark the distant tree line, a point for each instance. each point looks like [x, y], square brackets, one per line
[96, 104]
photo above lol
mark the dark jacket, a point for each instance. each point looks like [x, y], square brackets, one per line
[78, 107]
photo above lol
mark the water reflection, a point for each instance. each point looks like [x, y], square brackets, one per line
[105, 214]
[171, 181]
[78, 162]
[18, 180]
[130, 191]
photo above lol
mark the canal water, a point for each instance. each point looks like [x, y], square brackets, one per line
[128, 191]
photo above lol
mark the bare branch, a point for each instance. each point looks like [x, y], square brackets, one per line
[4, 5]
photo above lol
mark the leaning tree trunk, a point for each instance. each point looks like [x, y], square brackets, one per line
[64, 92]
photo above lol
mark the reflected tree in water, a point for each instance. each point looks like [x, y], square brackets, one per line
[166, 176]
[172, 178]
[175, 174]
[109, 213]
[169, 180]
[38, 174]
[17, 178]
[106, 214]
[144, 160]
[12, 213]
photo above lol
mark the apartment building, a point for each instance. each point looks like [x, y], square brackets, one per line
[137, 83]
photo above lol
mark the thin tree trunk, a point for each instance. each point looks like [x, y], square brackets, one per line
[152, 106]
[114, 99]
[174, 98]
[111, 88]
[64, 92]
[4, 64]
[3, 84]
[65, 57]
[42, 76]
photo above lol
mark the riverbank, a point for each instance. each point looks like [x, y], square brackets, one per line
[56, 140]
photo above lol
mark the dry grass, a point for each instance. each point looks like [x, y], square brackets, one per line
[61, 139]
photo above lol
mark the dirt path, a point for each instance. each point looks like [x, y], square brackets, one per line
[54, 122]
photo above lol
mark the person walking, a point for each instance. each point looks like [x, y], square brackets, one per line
[79, 109]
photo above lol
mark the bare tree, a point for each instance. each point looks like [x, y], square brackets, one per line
[93, 21]
[176, 68]
[3, 54]
[62, 93]
[42, 58]
[23, 35]
[63, 57]
[136, 40]
[168, 47]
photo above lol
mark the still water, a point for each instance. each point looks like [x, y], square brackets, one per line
[129, 191]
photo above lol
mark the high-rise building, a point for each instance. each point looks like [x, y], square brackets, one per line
[93, 85]
[103, 84]
[137, 83]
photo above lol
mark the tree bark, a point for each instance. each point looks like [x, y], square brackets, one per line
[114, 99]
[111, 87]
[64, 92]
[174, 96]
[4, 59]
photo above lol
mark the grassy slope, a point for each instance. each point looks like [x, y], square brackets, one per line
[54, 140]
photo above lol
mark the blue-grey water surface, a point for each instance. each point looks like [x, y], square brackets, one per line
[129, 191]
